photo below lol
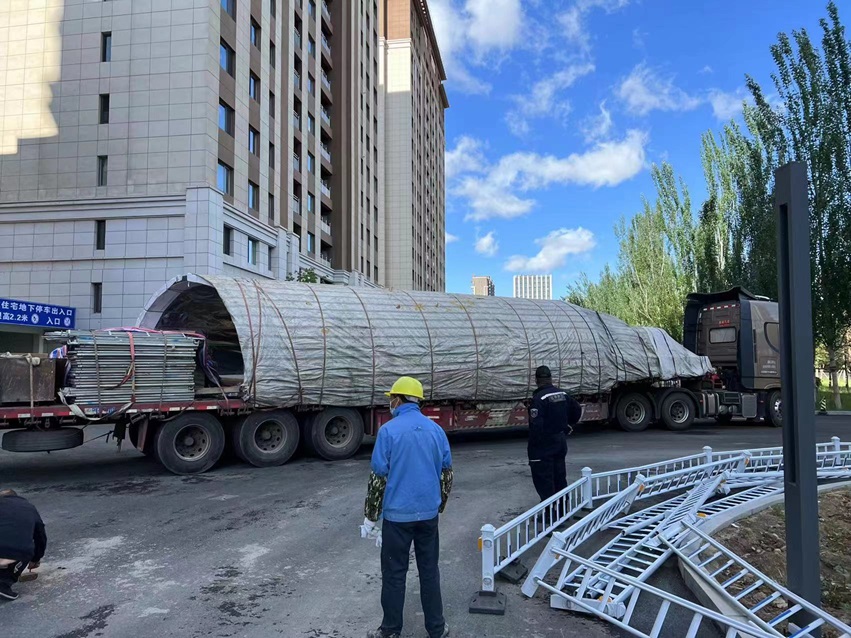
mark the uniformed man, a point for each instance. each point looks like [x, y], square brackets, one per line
[552, 414]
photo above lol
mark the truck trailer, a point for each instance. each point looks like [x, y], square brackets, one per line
[282, 364]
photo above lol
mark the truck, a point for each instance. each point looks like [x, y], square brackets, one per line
[282, 365]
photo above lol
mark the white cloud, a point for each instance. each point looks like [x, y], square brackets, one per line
[487, 245]
[706, 70]
[474, 31]
[556, 247]
[492, 194]
[644, 90]
[572, 21]
[726, 106]
[638, 38]
[598, 127]
[450, 238]
[543, 99]
[466, 157]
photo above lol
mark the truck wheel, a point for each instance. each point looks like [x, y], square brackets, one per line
[634, 412]
[191, 443]
[42, 440]
[336, 433]
[266, 439]
[775, 409]
[678, 411]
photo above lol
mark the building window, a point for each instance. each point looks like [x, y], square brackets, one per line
[271, 155]
[227, 58]
[271, 210]
[253, 141]
[254, 87]
[224, 179]
[103, 108]
[310, 241]
[272, 8]
[311, 163]
[253, 249]
[271, 105]
[226, 117]
[271, 258]
[230, 7]
[253, 196]
[97, 298]
[311, 203]
[227, 240]
[311, 46]
[311, 84]
[375, 277]
[311, 9]
[106, 46]
[272, 54]
[311, 124]
[255, 34]
[103, 169]
[100, 234]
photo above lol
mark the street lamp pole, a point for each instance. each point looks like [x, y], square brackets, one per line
[796, 364]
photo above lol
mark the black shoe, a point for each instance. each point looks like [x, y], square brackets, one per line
[6, 592]
[445, 633]
[380, 633]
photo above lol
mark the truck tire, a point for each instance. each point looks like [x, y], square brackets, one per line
[678, 411]
[42, 440]
[265, 439]
[634, 412]
[335, 433]
[774, 409]
[190, 444]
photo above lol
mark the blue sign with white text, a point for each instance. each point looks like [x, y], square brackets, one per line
[28, 313]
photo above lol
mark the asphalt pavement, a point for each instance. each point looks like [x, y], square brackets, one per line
[238, 551]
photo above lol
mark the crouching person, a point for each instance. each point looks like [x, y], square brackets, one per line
[22, 540]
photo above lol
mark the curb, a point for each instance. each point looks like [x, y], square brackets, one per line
[705, 594]
[836, 413]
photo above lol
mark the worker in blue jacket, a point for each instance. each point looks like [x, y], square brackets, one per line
[552, 414]
[409, 485]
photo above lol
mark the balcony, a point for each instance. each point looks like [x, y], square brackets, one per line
[325, 258]
[326, 116]
[325, 187]
[326, 44]
[297, 120]
[325, 151]
[326, 81]
[297, 38]
[297, 79]
[295, 206]
[326, 12]
[296, 162]
[326, 227]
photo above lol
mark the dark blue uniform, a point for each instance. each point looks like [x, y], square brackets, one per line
[551, 415]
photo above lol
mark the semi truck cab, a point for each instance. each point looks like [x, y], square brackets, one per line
[740, 334]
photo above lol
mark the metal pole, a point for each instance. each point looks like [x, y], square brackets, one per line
[796, 365]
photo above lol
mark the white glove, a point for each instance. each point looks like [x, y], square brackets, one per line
[369, 529]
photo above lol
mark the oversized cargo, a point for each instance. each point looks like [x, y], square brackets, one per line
[322, 345]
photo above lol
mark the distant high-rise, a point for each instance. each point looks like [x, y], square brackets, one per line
[533, 286]
[483, 286]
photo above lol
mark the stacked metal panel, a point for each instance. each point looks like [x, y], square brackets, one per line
[125, 366]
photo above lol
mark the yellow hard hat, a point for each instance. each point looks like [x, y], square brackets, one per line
[407, 386]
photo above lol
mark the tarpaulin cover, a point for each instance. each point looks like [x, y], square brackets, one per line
[337, 345]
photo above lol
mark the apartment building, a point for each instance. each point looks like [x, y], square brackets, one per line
[483, 286]
[533, 286]
[414, 105]
[143, 140]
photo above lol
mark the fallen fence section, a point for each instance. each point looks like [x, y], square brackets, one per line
[628, 622]
[758, 469]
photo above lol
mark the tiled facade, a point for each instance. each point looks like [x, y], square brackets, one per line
[483, 286]
[414, 106]
[533, 286]
[136, 136]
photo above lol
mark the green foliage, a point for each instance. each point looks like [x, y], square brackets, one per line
[665, 251]
[305, 276]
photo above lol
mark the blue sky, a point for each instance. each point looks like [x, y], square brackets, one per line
[559, 108]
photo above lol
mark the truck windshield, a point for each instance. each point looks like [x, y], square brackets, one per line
[722, 335]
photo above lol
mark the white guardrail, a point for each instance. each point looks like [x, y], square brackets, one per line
[502, 546]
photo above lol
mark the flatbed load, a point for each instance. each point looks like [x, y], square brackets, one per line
[265, 367]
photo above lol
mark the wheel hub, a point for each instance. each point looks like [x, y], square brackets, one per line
[269, 436]
[634, 412]
[191, 443]
[338, 432]
[679, 412]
